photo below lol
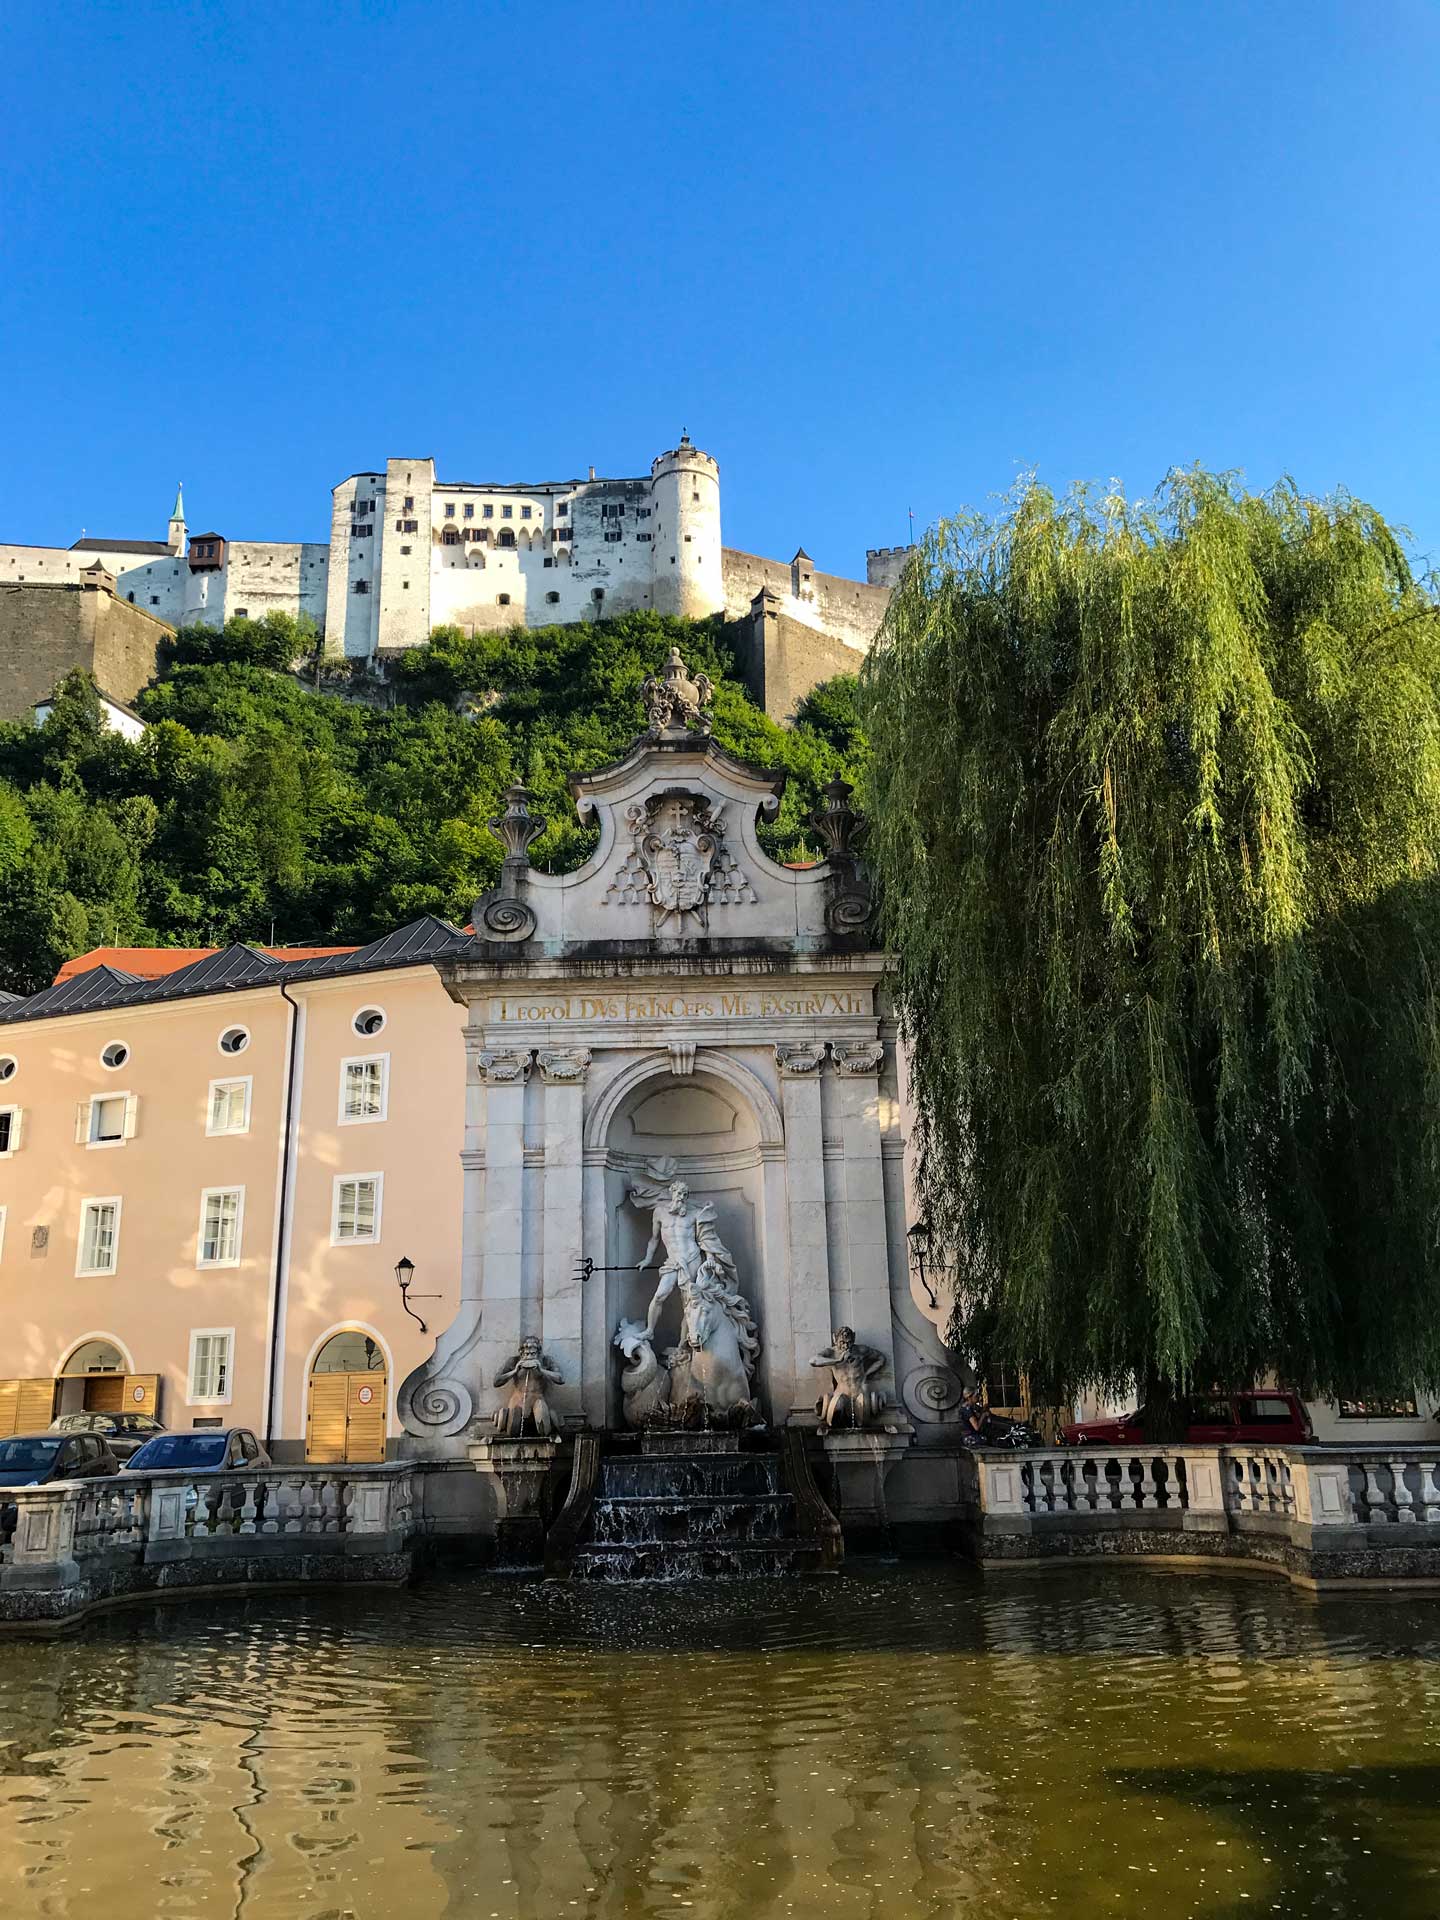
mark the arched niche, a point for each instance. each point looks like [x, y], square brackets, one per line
[708, 1124]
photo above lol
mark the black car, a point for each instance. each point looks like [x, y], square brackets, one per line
[32, 1459]
[211, 1451]
[124, 1433]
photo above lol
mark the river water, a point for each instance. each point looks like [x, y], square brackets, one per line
[898, 1741]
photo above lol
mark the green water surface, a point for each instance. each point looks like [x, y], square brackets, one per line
[898, 1741]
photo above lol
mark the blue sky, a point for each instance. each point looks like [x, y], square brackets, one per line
[873, 258]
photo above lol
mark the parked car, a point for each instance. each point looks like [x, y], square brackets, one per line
[209, 1450]
[33, 1459]
[122, 1432]
[1211, 1420]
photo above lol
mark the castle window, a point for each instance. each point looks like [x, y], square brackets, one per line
[552, 599]
[399, 526]
[361, 586]
[612, 537]
[450, 537]
[409, 501]
[643, 513]
[695, 495]
[243, 613]
[411, 526]
[488, 511]
[524, 513]
[404, 549]
[406, 585]
[547, 561]
[687, 539]
[597, 593]
[562, 509]
[644, 536]
[502, 599]
[154, 599]
[449, 509]
[506, 539]
[507, 513]
[129, 596]
[469, 511]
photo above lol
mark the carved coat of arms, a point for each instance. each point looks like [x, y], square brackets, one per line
[678, 862]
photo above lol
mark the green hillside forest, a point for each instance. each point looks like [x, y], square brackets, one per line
[279, 806]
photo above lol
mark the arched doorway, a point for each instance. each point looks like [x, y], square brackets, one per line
[347, 1397]
[97, 1377]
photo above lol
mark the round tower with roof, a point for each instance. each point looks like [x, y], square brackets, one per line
[685, 496]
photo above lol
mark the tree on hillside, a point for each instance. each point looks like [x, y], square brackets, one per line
[1155, 812]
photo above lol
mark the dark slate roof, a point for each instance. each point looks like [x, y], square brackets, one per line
[120, 546]
[235, 967]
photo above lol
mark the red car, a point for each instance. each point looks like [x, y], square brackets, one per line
[1212, 1420]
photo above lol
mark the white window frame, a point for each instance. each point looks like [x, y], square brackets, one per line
[345, 1119]
[82, 1272]
[370, 1006]
[352, 1239]
[3, 1212]
[114, 1066]
[207, 1194]
[192, 1397]
[17, 1130]
[236, 1026]
[245, 1080]
[131, 1103]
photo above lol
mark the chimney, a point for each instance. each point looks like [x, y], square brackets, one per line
[592, 473]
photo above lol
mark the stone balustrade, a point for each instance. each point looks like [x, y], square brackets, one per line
[73, 1545]
[1323, 1515]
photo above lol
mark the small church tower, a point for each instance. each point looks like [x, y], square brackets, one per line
[177, 522]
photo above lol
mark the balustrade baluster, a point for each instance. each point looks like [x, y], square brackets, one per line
[1405, 1501]
[1067, 1485]
[1375, 1497]
[1427, 1493]
[249, 1498]
[1147, 1492]
[330, 1506]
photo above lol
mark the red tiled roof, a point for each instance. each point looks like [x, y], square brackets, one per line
[153, 963]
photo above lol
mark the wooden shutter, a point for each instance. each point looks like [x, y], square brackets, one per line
[26, 1406]
[142, 1393]
[365, 1416]
[325, 1429]
[104, 1393]
[132, 1107]
[17, 1127]
[82, 1121]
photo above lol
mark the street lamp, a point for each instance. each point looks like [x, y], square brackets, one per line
[404, 1274]
[919, 1238]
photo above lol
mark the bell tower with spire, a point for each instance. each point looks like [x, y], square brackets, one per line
[177, 522]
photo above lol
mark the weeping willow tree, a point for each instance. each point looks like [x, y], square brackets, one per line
[1155, 816]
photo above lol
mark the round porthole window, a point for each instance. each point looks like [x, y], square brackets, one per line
[7, 1066]
[115, 1055]
[368, 1022]
[234, 1040]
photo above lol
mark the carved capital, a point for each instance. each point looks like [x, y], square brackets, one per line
[682, 1058]
[858, 1057]
[502, 1066]
[563, 1066]
[799, 1059]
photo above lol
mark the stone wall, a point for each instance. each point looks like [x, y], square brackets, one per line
[782, 658]
[46, 631]
[848, 611]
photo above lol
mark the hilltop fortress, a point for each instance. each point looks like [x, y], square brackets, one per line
[409, 552]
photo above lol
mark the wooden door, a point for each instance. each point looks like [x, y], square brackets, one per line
[365, 1416]
[141, 1394]
[104, 1393]
[347, 1417]
[26, 1406]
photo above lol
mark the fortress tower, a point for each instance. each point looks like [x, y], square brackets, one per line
[685, 487]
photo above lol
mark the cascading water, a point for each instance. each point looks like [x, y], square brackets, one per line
[694, 1506]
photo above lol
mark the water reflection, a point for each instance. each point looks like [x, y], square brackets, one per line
[901, 1742]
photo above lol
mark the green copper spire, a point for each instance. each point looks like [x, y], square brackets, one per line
[177, 512]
